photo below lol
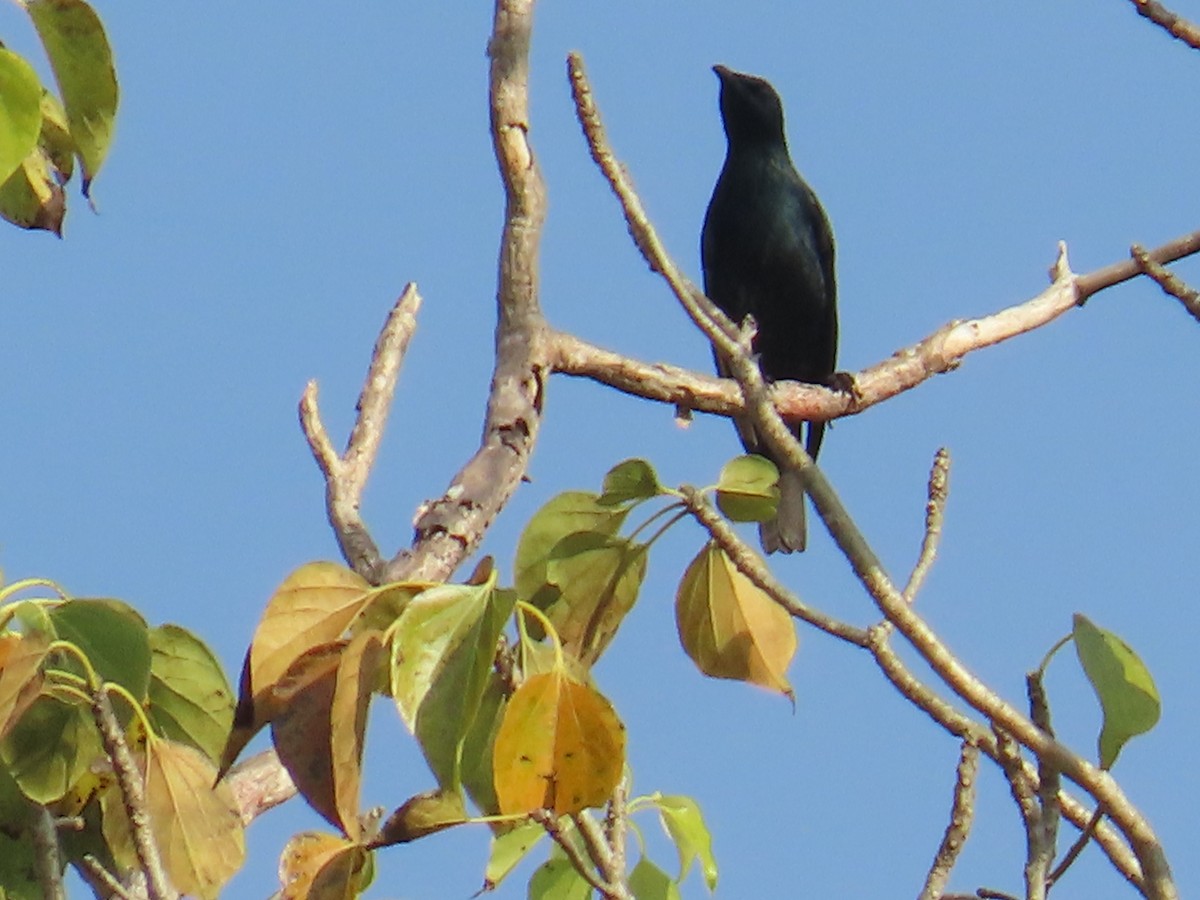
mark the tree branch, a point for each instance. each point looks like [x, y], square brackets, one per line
[346, 475]
[962, 813]
[450, 527]
[1173, 24]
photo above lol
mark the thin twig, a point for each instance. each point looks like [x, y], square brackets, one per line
[346, 475]
[96, 874]
[132, 785]
[616, 822]
[549, 821]
[47, 860]
[1171, 284]
[1076, 848]
[602, 854]
[935, 510]
[1173, 24]
[1043, 843]
[962, 813]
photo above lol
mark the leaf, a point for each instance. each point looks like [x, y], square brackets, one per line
[508, 849]
[82, 62]
[598, 577]
[55, 140]
[316, 866]
[21, 658]
[684, 823]
[197, 826]
[18, 871]
[20, 111]
[189, 697]
[1123, 685]
[442, 651]
[478, 745]
[50, 748]
[312, 607]
[633, 479]
[422, 815]
[560, 747]
[322, 702]
[113, 636]
[748, 489]
[557, 879]
[730, 627]
[648, 882]
[32, 198]
[564, 514]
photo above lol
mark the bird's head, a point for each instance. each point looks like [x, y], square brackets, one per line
[750, 108]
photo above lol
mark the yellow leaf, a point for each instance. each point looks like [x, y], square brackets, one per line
[317, 866]
[21, 658]
[313, 606]
[197, 826]
[560, 747]
[356, 675]
[730, 627]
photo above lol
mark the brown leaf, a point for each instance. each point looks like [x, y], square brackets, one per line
[560, 747]
[313, 606]
[730, 627]
[21, 658]
[317, 866]
[423, 814]
[198, 827]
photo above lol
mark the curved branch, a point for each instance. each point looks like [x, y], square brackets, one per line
[450, 527]
[941, 351]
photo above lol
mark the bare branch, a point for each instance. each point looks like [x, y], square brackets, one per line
[962, 813]
[604, 857]
[259, 783]
[132, 785]
[346, 475]
[1170, 283]
[935, 507]
[1173, 24]
[1042, 840]
[47, 860]
[450, 527]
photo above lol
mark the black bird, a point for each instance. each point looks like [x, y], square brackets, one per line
[767, 251]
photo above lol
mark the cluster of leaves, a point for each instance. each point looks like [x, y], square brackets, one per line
[508, 719]
[42, 135]
[61, 660]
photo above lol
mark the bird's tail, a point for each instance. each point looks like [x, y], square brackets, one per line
[786, 532]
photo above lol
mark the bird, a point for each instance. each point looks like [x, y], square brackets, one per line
[767, 251]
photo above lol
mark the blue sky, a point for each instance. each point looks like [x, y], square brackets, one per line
[281, 171]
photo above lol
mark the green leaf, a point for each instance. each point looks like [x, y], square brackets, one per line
[556, 879]
[598, 577]
[748, 489]
[683, 821]
[508, 849]
[113, 635]
[51, 748]
[648, 882]
[562, 515]
[20, 111]
[478, 744]
[18, 873]
[82, 62]
[442, 651]
[32, 198]
[633, 479]
[1122, 683]
[190, 698]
